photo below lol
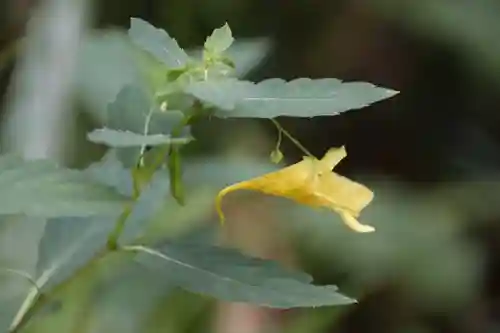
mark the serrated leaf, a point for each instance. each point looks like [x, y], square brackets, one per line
[41, 188]
[220, 40]
[275, 97]
[131, 110]
[67, 247]
[67, 244]
[106, 63]
[215, 93]
[158, 43]
[122, 139]
[131, 304]
[19, 239]
[109, 171]
[231, 276]
[246, 54]
[154, 195]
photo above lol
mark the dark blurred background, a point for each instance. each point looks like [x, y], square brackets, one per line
[431, 153]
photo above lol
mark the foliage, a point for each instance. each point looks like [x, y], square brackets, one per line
[40, 188]
[146, 127]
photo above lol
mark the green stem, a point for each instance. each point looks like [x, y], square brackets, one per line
[174, 161]
[145, 131]
[280, 137]
[136, 184]
[291, 138]
[141, 175]
[43, 301]
[158, 161]
[113, 237]
[175, 171]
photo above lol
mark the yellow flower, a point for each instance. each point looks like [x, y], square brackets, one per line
[311, 182]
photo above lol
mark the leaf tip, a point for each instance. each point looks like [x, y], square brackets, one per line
[135, 21]
[391, 92]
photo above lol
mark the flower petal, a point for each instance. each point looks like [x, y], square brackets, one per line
[354, 224]
[332, 157]
[343, 193]
[311, 182]
[289, 182]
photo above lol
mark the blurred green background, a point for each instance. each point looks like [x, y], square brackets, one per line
[431, 155]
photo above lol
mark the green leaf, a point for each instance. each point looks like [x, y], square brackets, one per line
[231, 276]
[275, 97]
[158, 43]
[65, 251]
[153, 199]
[111, 172]
[40, 188]
[133, 110]
[106, 63]
[121, 139]
[220, 40]
[246, 54]
[19, 239]
[67, 245]
[154, 196]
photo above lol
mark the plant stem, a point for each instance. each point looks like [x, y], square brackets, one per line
[22, 274]
[280, 136]
[147, 121]
[174, 160]
[140, 175]
[42, 301]
[113, 237]
[291, 138]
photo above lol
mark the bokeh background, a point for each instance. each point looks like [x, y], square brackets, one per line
[431, 154]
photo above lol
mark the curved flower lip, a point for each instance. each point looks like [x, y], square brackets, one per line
[311, 182]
